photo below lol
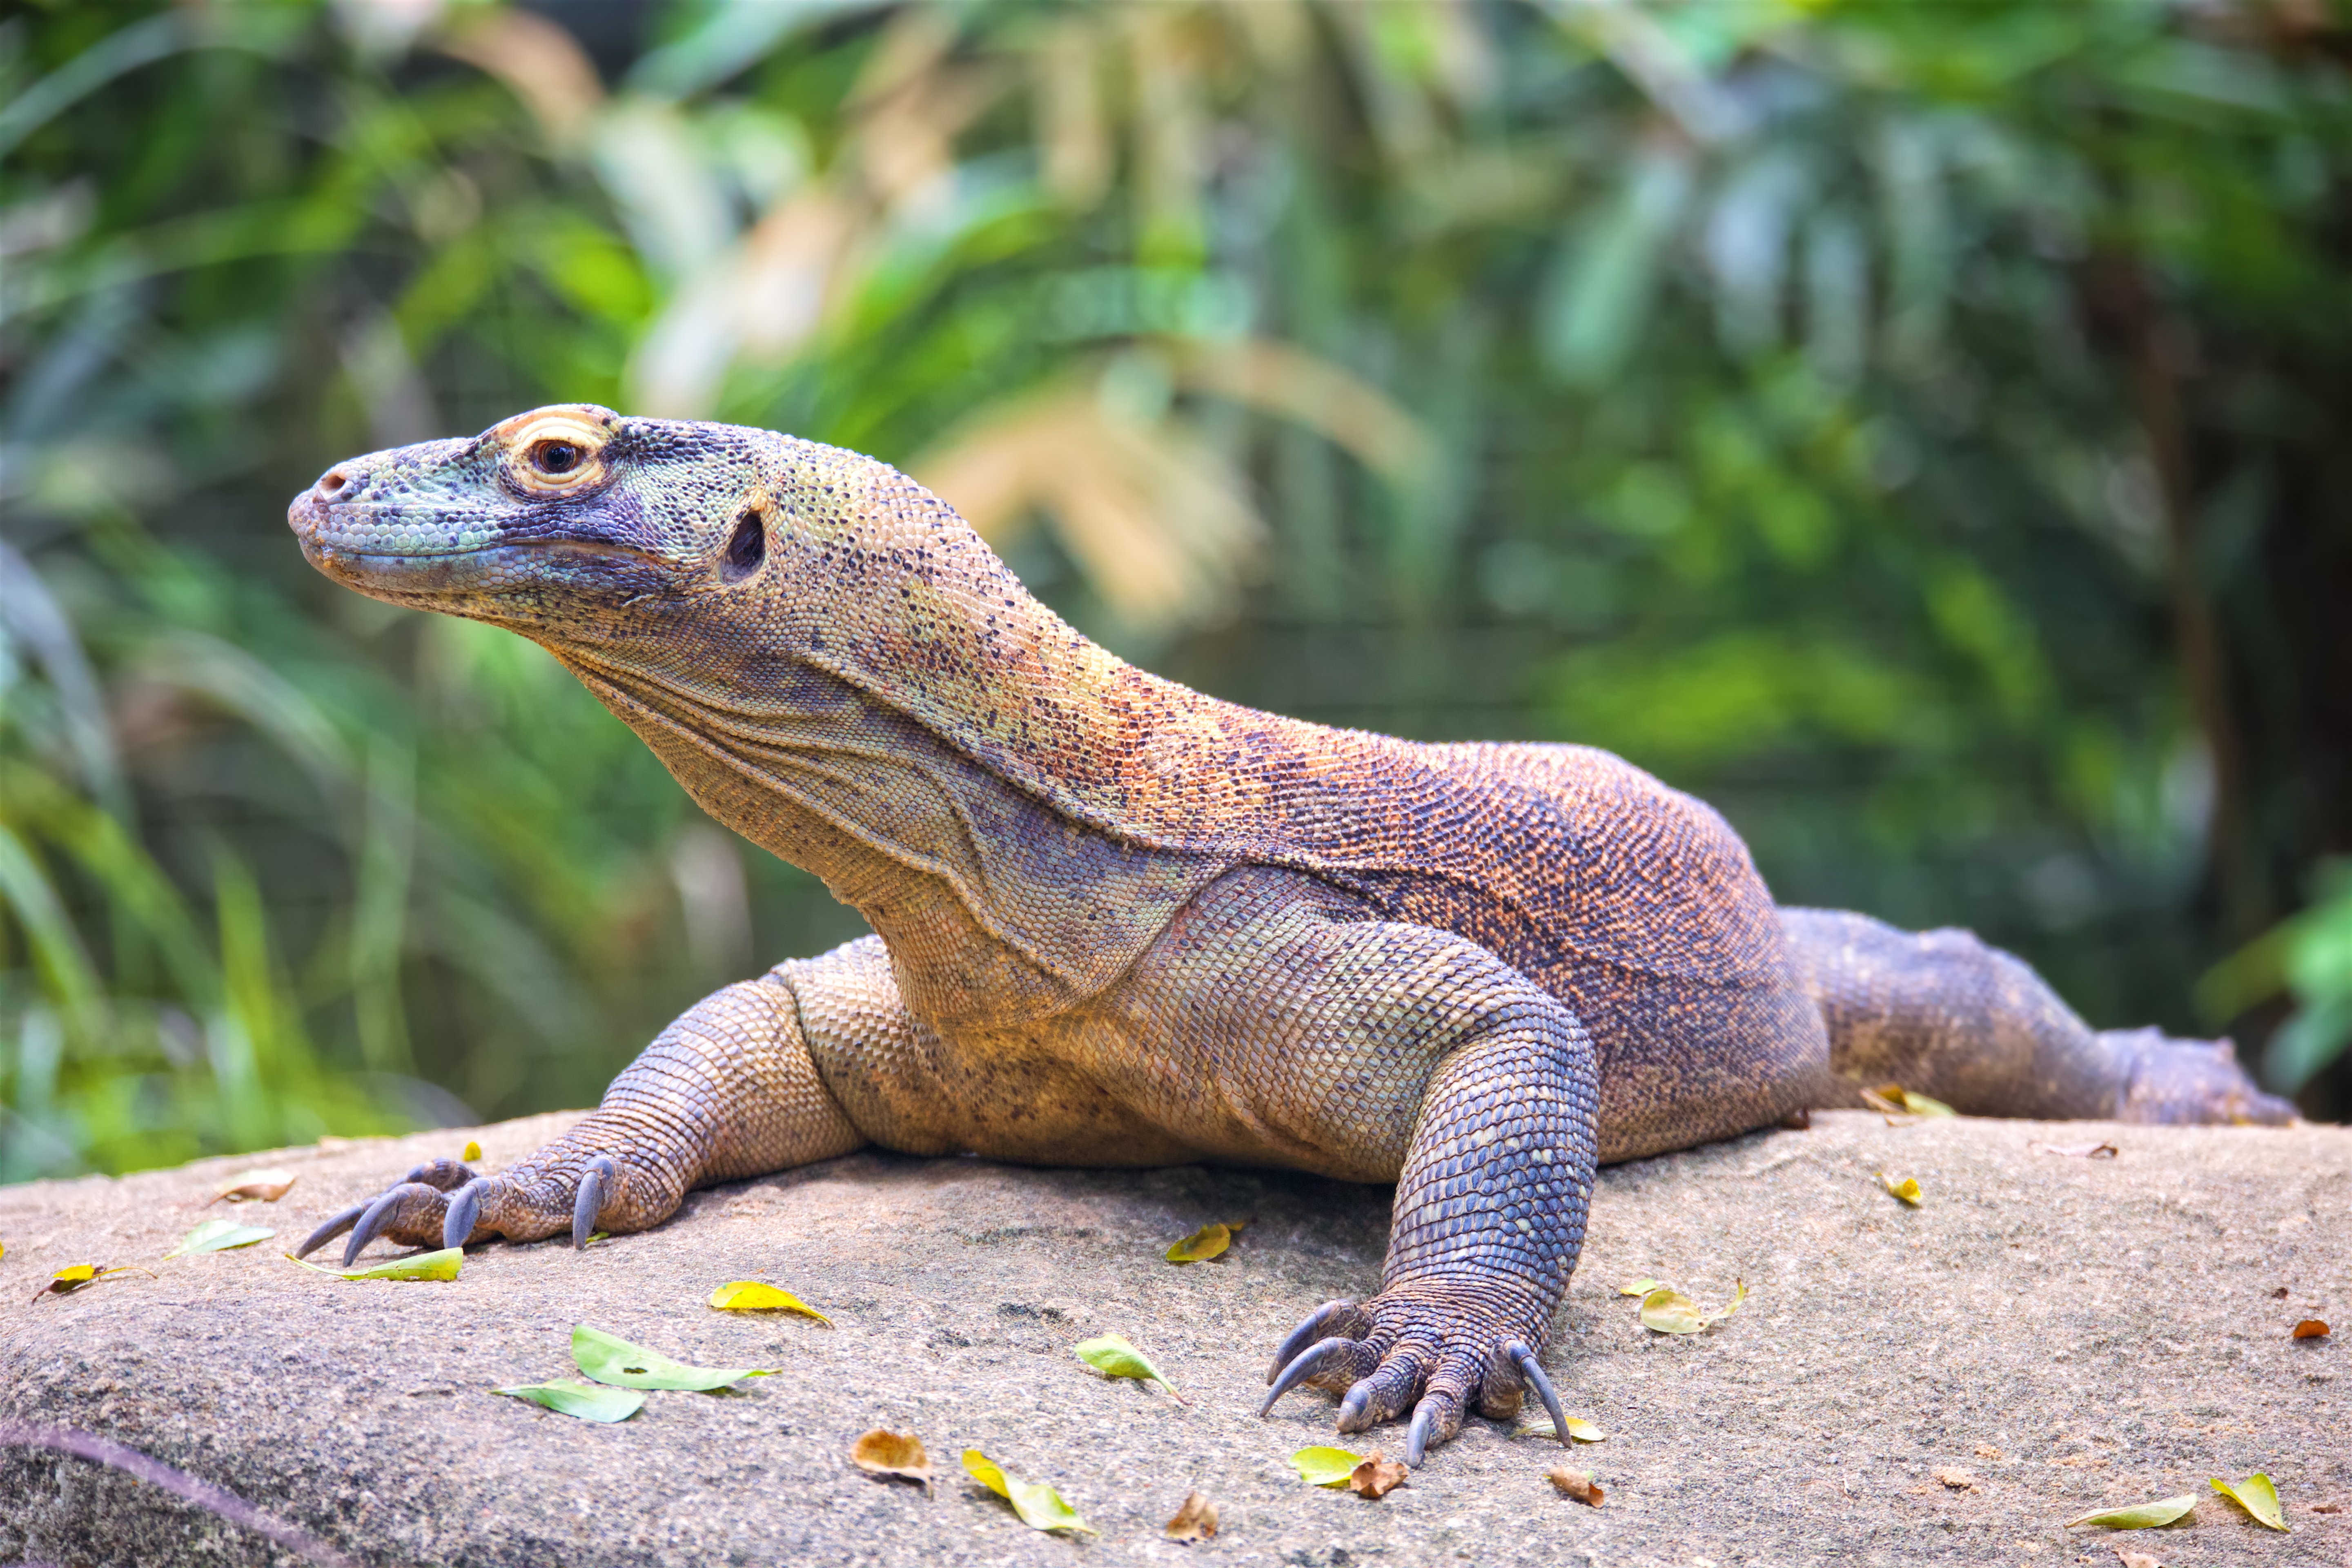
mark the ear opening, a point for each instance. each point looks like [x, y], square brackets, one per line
[746, 549]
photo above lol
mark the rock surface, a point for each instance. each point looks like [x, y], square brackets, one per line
[2047, 1335]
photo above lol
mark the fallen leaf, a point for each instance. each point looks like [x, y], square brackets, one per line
[2079, 1151]
[1039, 1505]
[608, 1358]
[2135, 1559]
[2257, 1497]
[1671, 1312]
[1575, 1484]
[441, 1265]
[2140, 1516]
[883, 1452]
[2310, 1329]
[219, 1236]
[1196, 1521]
[1958, 1479]
[1907, 1189]
[1639, 1287]
[2327, 1508]
[751, 1296]
[585, 1400]
[1113, 1357]
[266, 1185]
[66, 1282]
[1376, 1477]
[1210, 1241]
[1583, 1431]
[1325, 1467]
[473, 1152]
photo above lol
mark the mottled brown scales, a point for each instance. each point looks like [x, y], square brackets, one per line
[1119, 923]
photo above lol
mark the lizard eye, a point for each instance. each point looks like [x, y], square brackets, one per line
[555, 457]
[747, 549]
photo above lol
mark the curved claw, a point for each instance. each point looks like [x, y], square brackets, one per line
[1416, 1439]
[379, 1215]
[338, 1223]
[1352, 1406]
[1303, 1365]
[1531, 1372]
[1318, 1323]
[465, 1209]
[602, 1172]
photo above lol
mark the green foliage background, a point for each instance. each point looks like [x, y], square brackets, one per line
[1919, 429]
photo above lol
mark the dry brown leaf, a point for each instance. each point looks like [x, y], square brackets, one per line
[2310, 1329]
[1958, 1479]
[1196, 1521]
[2130, 1559]
[1575, 1484]
[2327, 1508]
[1376, 1477]
[265, 1186]
[883, 1452]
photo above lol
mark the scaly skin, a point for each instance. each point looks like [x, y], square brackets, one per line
[1123, 923]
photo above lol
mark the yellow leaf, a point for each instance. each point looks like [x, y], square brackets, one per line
[1907, 1189]
[751, 1296]
[1113, 1355]
[1638, 1286]
[1583, 1431]
[1039, 1506]
[1325, 1467]
[66, 1282]
[1196, 1521]
[1210, 1241]
[2140, 1515]
[2257, 1497]
[441, 1265]
[473, 1152]
[883, 1452]
[1668, 1312]
[1921, 1105]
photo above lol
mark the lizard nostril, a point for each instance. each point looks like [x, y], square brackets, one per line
[332, 483]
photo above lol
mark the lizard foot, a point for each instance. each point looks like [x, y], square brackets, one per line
[2176, 1081]
[445, 1204]
[1424, 1346]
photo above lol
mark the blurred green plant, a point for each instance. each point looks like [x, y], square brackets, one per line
[2307, 960]
[1904, 424]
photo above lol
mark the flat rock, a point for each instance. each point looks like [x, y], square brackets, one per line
[2043, 1335]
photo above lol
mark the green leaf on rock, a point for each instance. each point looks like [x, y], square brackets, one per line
[585, 1400]
[1325, 1467]
[219, 1236]
[1039, 1505]
[2257, 1497]
[441, 1265]
[751, 1296]
[2140, 1515]
[608, 1358]
[1111, 1354]
[1922, 1105]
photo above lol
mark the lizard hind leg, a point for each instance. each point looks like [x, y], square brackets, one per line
[1941, 1013]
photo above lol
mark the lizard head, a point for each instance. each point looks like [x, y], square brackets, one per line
[554, 523]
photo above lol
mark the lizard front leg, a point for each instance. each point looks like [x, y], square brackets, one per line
[1379, 1050]
[730, 1090]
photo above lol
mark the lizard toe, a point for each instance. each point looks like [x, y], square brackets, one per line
[1343, 1318]
[409, 1214]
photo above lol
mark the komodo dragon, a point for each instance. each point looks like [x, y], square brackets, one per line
[1120, 923]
